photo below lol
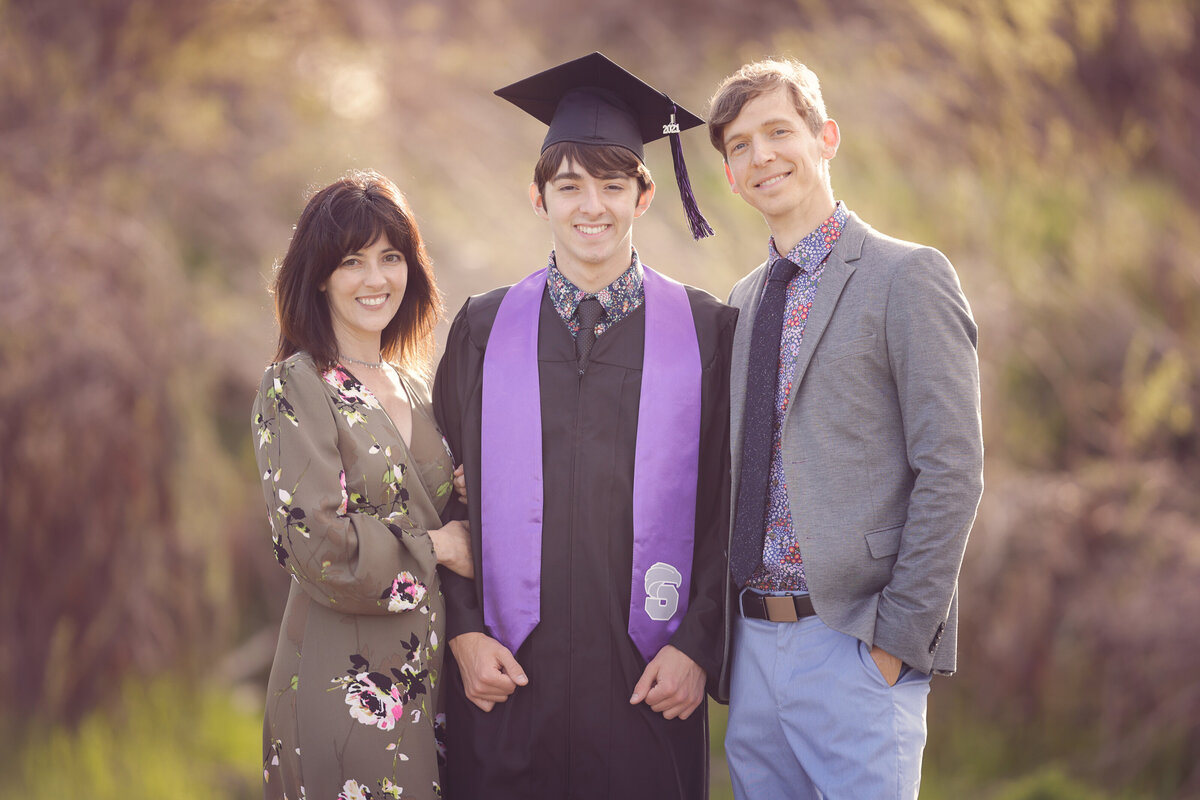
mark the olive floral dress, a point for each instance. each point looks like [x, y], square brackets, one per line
[352, 707]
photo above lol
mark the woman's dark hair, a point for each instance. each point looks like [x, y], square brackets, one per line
[344, 217]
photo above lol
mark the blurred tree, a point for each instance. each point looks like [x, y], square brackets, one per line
[122, 502]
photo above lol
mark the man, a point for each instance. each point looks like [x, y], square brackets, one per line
[588, 404]
[857, 465]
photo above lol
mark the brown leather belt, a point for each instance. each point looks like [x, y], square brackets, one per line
[788, 608]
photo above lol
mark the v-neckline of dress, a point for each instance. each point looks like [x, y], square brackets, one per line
[408, 395]
[407, 448]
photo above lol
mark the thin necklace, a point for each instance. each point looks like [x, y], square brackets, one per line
[372, 364]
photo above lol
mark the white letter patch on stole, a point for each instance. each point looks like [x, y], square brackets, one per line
[662, 591]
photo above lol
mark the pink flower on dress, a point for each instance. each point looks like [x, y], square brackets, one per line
[373, 699]
[348, 389]
[406, 594]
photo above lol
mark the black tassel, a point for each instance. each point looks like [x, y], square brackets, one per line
[700, 227]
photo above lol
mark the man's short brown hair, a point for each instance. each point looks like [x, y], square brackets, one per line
[759, 78]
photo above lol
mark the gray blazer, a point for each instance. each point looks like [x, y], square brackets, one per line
[882, 445]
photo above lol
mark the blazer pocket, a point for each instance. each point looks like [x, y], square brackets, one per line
[884, 543]
[840, 350]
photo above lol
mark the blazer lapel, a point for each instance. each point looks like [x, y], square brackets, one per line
[838, 269]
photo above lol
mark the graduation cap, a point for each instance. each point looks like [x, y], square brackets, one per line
[592, 100]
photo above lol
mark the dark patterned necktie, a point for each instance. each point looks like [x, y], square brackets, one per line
[758, 424]
[589, 313]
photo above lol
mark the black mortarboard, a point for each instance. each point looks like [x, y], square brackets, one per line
[591, 100]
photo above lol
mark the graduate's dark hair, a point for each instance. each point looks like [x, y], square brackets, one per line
[344, 217]
[598, 160]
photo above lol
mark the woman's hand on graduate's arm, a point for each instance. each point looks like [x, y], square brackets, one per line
[460, 484]
[489, 671]
[672, 684]
[452, 546]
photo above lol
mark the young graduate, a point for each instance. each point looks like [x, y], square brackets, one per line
[589, 406]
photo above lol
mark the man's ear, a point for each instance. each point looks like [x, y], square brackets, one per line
[535, 198]
[831, 137]
[729, 175]
[644, 201]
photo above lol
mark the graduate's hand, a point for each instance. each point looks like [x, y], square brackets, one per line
[672, 685]
[460, 484]
[489, 671]
[452, 546]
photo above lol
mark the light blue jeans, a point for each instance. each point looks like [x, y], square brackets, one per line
[810, 716]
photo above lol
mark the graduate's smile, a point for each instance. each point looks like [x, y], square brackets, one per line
[591, 220]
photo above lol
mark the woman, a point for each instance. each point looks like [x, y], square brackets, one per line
[355, 475]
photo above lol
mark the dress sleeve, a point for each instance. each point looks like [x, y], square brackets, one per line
[348, 560]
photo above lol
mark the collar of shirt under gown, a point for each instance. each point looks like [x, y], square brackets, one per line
[620, 298]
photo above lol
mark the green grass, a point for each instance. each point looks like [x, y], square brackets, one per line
[168, 739]
[165, 739]
[719, 787]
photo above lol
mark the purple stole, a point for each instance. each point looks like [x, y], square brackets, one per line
[664, 474]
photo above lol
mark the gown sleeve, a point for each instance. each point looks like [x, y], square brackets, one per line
[453, 394]
[348, 560]
[701, 631]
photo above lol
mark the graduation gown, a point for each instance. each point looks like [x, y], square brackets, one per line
[571, 733]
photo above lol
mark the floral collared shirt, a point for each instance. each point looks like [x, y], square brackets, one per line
[619, 299]
[782, 568]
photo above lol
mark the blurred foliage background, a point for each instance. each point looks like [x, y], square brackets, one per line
[154, 156]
